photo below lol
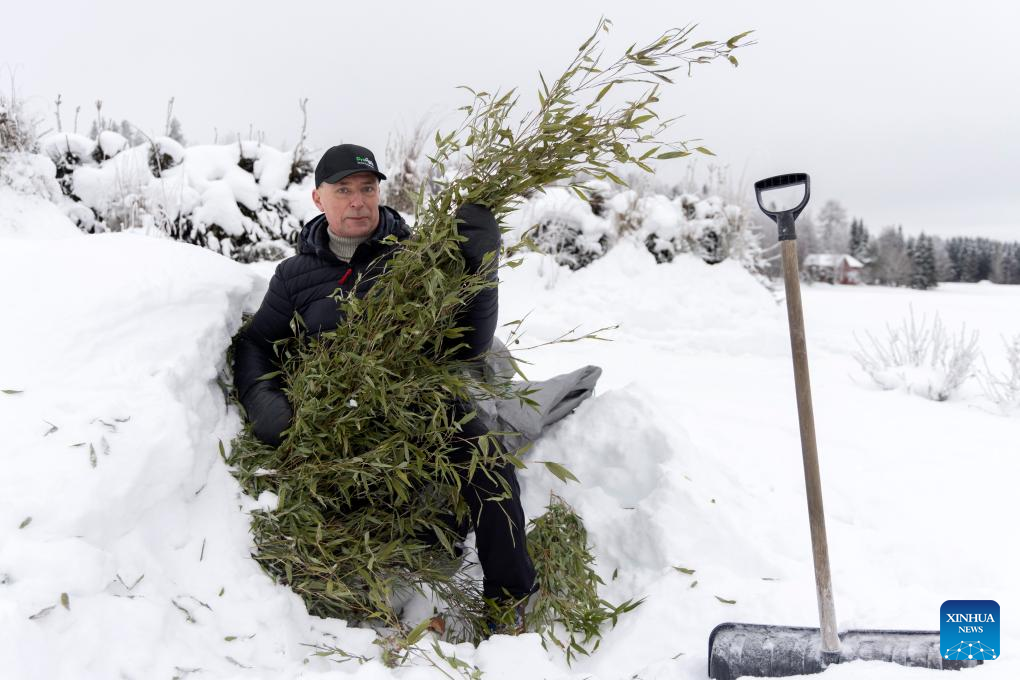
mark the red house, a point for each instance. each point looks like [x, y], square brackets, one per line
[833, 268]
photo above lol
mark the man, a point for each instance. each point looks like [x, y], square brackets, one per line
[343, 248]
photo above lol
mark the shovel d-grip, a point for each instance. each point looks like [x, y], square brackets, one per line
[784, 219]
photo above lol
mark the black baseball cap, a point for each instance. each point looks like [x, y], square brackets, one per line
[343, 160]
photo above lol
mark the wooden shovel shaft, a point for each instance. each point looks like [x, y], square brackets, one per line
[809, 448]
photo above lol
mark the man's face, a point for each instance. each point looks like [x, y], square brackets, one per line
[351, 205]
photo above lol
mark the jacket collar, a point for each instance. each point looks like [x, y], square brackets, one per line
[314, 238]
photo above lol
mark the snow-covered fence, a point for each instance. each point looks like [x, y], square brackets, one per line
[243, 200]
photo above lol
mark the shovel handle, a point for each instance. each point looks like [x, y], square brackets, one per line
[809, 450]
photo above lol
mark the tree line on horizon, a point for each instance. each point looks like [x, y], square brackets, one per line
[891, 258]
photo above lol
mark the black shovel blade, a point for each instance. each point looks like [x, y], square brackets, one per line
[747, 649]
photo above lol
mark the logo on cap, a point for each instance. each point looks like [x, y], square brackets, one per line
[363, 160]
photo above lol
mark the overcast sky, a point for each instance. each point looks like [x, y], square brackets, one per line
[907, 113]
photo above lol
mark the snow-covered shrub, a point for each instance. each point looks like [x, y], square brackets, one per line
[68, 151]
[577, 231]
[108, 145]
[561, 224]
[921, 359]
[17, 130]
[406, 170]
[708, 226]
[30, 174]
[164, 153]
[1003, 389]
[236, 199]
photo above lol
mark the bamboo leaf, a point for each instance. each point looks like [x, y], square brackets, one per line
[560, 472]
[672, 154]
[732, 42]
[725, 601]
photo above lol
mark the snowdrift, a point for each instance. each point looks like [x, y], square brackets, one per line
[124, 545]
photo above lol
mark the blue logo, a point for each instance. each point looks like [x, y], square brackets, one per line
[969, 630]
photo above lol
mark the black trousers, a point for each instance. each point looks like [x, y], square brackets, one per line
[499, 524]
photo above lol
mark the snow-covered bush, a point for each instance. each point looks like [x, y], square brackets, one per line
[164, 153]
[68, 151]
[577, 231]
[237, 199]
[17, 131]
[30, 174]
[1003, 389]
[108, 145]
[406, 169]
[922, 360]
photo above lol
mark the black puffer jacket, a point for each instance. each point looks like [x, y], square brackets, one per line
[304, 284]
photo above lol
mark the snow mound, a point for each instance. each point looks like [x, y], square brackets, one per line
[32, 217]
[123, 538]
[685, 305]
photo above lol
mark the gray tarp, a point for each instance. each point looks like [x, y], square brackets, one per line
[556, 398]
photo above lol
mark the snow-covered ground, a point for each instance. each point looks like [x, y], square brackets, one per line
[124, 545]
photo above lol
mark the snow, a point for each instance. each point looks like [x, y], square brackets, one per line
[112, 143]
[170, 147]
[32, 217]
[58, 144]
[688, 456]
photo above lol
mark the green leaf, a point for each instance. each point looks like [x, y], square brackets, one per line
[725, 601]
[694, 583]
[672, 154]
[704, 150]
[703, 43]
[11, 391]
[732, 42]
[25, 522]
[561, 473]
[684, 570]
[65, 601]
[417, 632]
[733, 60]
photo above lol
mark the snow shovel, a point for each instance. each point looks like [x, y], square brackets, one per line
[742, 649]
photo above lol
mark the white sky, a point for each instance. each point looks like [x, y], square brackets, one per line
[908, 113]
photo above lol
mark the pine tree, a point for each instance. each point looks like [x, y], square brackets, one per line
[943, 264]
[923, 261]
[859, 240]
